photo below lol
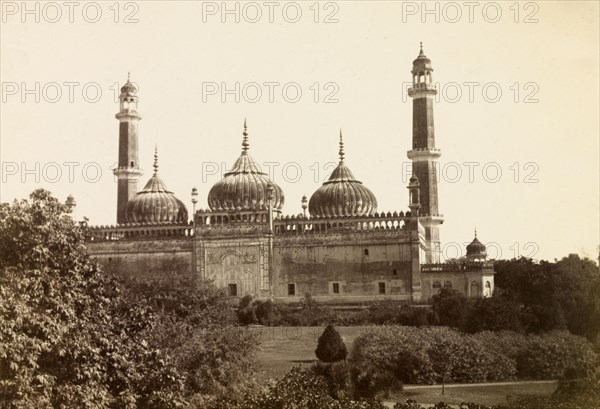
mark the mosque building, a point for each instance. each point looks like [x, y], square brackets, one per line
[341, 251]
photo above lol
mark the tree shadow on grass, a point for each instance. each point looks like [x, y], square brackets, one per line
[303, 361]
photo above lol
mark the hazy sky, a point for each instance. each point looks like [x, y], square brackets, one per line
[517, 119]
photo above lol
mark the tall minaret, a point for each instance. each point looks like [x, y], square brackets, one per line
[424, 153]
[128, 170]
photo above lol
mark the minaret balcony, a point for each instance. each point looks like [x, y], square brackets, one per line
[423, 154]
[127, 171]
[431, 220]
[128, 115]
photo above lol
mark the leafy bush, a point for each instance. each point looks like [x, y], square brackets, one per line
[433, 355]
[337, 376]
[300, 388]
[401, 351]
[549, 356]
[331, 347]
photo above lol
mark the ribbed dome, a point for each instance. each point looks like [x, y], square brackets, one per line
[128, 87]
[155, 204]
[342, 194]
[244, 187]
[476, 249]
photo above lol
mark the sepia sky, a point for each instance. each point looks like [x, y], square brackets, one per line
[517, 118]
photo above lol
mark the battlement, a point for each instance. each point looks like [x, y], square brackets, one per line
[132, 231]
[470, 266]
[297, 225]
[211, 219]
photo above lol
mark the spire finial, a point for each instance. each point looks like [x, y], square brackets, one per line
[155, 159]
[245, 143]
[341, 152]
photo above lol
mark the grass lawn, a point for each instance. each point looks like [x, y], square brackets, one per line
[483, 394]
[284, 347]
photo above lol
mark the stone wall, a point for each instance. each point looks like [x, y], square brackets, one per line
[159, 259]
[343, 267]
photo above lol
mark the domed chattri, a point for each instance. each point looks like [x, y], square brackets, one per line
[476, 250]
[128, 88]
[342, 195]
[155, 204]
[245, 186]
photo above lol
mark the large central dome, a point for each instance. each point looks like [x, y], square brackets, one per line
[342, 195]
[244, 187]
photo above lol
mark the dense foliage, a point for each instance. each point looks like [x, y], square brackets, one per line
[196, 325]
[438, 355]
[554, 295]
[69, 336]
[301, 388]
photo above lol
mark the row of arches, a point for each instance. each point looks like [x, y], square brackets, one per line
[422, 77]
[297, 228]
[474, 288]
[114, 234]
[220, 220]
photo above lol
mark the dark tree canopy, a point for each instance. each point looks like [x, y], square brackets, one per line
[331, 347]
[554, 295]
[451, 306]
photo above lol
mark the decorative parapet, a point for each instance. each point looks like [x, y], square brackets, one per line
[129, 231]
[481, 266]
[211, 219]
[297, 225]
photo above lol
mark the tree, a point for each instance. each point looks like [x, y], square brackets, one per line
[198, 327]
[451, 306]
[246, 312]
[331, 347]
[267, 312]
[559, 295]
[496, 313]
[70, 336]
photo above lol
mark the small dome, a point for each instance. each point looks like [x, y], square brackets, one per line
[244, 187]
[128, 87]
[155, 204]
[422, 62]
[476, 249]
[342, 195]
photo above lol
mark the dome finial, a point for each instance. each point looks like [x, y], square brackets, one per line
[128, 76]
[421, 48]
[155, 159]
[475, 232]
[245, 143]
[341, 152]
